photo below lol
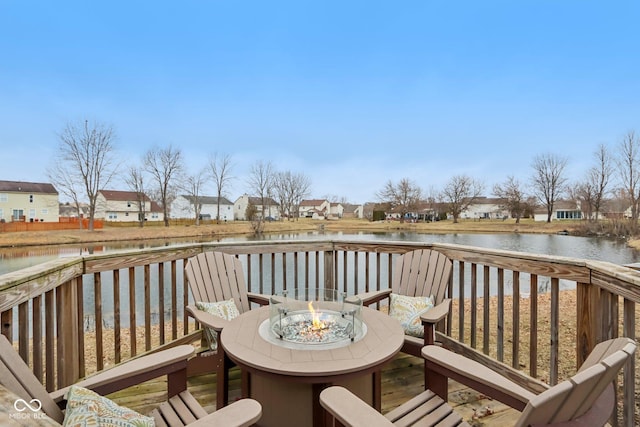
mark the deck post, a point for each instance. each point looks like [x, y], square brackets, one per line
[67, 333]
[587, 326]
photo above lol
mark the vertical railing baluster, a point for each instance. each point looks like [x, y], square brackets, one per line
[486, 311]
[23, 331]
[132, 312]
[515, 342]
[533, 327]
[161, 302]
[37, 337]
[474, 304]
[461, 298]
[117, 343]
[500, 314]
[97, 294]
[174, 299]
[628, 375]
[49, 341]
[147, 306]
[555, 323]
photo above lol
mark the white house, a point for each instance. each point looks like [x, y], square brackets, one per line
[562, 210]
[122, 206]
[314, 208]
[184, 207]
[28, 201]
[272, 208]
[485, 208]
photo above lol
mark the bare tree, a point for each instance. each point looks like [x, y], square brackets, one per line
[135, 180]
[460, 192]
[628, 163]
[261, 181]
[592, 190]
[548, 180]
[193, 185]
[290, 189]
[67, 185]
[165, 166]
[513, 197]
[403, 197]
[85, 163]
[220, 168]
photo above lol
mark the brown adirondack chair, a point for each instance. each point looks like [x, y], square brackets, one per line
[216, 277]
[181, 409]
[424, 272]
[586, 399]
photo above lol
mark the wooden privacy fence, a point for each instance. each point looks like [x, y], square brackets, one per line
[77, 315]
[63, 224]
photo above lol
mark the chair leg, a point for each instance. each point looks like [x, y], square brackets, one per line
[222, 379]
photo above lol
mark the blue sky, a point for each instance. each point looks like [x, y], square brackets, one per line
[351, 93]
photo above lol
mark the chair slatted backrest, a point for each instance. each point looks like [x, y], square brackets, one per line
[16, 376]
[217, 276]
[423, 272]
[578, 395]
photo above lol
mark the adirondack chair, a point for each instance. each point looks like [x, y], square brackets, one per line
[217, 277]
[586, 399]
[419, 273]
[180, 410]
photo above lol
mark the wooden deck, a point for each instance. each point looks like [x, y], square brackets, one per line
[401, 380]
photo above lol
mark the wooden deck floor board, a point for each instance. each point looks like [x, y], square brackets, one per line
[402, 379]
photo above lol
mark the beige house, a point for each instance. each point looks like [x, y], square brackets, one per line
[28, 201]
[272, 208]
[122, 206]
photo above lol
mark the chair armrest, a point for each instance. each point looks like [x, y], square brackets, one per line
[242, 413]
[135, 371]
[475, 375]
[373, 297]
[347, 408]
[437, 313]
[259, 299]
[207, 319]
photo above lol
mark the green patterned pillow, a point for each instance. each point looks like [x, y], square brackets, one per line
[226, 310]
[408, 311]
[86, 408]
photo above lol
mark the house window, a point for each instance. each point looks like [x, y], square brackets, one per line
[44, 211]
[4, 197]
[112, 215]
[1, 214]
[154, 215]
[32, 213]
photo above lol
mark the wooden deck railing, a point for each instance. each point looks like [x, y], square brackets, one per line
[508, 305]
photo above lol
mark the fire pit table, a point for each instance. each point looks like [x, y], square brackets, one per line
[305, 342]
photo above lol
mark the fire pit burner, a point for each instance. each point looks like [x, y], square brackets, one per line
[313, 318]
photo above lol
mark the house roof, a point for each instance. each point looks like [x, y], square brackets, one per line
[27, 187]
[257, 201]
[122, 196]
[208, 200]
[312, 202]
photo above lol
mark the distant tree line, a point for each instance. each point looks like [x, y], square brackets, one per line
[87, 162]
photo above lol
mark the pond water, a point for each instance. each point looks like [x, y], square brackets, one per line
[596, 248]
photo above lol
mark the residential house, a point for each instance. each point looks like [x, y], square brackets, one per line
[70, 210]
[352, 211]
[485, 208]
[562, 209]
[314, 208]
[272, 208]
[28, 201]
[122, 206]
[184, 207]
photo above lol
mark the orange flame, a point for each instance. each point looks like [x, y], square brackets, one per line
[316, 323]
